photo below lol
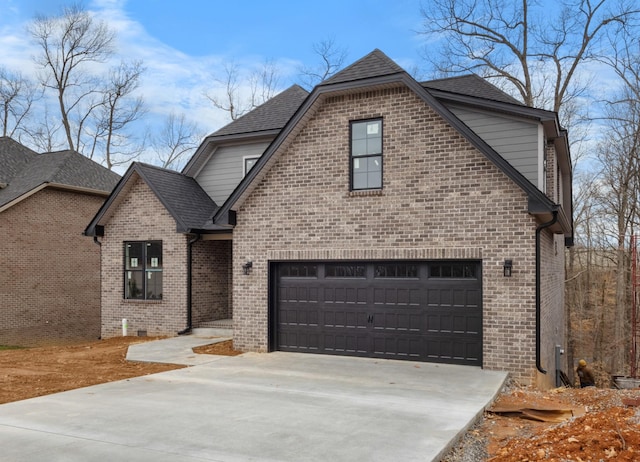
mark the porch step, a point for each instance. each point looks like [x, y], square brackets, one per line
[217, 328]
[218, 323]
[211, 332]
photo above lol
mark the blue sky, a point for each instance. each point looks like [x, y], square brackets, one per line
[275, 29]
[184, 45]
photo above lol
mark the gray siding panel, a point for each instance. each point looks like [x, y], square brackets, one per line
[222, 173]
[515, 140]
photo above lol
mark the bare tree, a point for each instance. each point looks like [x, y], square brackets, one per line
[17, 95]
[176, 139]
[119, 109]
[619, 158]
[537, 52]
[242, 94]
[69, 44]
[230, 102]
[264, 83]
[43, 135]
[332, 59]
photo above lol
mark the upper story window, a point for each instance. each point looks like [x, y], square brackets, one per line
[366, 154]
[248, 163]
[143, 270]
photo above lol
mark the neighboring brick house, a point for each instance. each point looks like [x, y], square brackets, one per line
[50, 277]
[375, 216]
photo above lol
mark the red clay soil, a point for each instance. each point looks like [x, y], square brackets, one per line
[30, 372]
[598, 427]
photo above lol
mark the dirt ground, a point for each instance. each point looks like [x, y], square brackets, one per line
[30, 372]
[564, 424]
[523, 425]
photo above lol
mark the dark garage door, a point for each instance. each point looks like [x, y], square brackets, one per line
[422, 311]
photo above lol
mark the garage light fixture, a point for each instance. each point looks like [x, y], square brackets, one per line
[508, 268]
[246, 268]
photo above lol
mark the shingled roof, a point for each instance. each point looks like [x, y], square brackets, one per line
[67, 169]
[470, 85]
[267, 119]
[271, 115]
[13, 159]
[180, 194]
[375, 64]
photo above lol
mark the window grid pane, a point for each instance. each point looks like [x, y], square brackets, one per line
[344, 271]
[134, 255]
[134, 287]
[367, 172]
[453, 271]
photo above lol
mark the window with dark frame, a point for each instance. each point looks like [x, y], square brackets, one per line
[299, 270]
[248, 164]
[453, 270]
[396, 270]
[143, 270]
[344, 270]
[366, 154]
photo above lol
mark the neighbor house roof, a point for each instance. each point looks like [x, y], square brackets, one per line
[64, 169]
[376, 70]
[180, 194]
[13, 159]
[265, 120]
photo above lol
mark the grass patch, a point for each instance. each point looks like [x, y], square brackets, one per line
[10, 347]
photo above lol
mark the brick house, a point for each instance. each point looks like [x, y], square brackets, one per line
[50, 277]
[375, 216]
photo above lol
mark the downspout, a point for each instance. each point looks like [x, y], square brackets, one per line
[96, 241]
[189, 284]
[538, 287]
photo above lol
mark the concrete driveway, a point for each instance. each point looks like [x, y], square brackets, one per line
[256, 407]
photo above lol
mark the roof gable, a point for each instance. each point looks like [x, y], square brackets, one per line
[375, 70]
[180, 194]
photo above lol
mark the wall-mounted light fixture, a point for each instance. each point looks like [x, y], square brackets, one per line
[508, 268]
[246, 268]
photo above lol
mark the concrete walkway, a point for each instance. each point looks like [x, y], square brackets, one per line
[175, 350]
[255, 407]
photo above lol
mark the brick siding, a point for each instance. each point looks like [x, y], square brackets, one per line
[50, 276]
[140, 216]
[441, 199]
[211, 281]
[553, 316]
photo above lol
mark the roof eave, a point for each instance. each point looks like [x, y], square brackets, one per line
[60, 186]
[517, 109]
